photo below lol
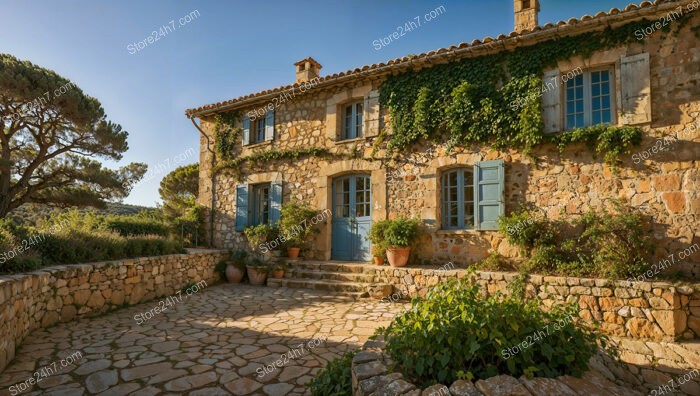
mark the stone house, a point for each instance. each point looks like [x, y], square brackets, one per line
[651, 82]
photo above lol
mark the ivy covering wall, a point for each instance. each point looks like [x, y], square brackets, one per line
[474, 100]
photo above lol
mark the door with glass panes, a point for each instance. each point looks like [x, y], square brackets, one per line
[352, 218]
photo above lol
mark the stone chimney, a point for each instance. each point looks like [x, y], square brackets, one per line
[307, 69]
[526, 12]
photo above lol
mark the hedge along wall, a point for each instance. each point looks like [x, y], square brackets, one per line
[657, 311]
[63, 293]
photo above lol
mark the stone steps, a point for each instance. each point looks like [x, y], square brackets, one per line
[329, 275]
[351, 279]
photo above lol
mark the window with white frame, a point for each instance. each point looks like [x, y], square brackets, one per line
[588, 99]
[352, 121]
[261, 204]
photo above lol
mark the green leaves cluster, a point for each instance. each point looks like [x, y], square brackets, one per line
[605, 243]
[493, 99]
[334, 379]
[226, 136]
[295, 224]
[401, 232]
[455, 332]
[604, 140]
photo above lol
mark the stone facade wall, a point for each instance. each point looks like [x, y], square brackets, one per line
[45, 297]
[641, 310]
[664, 184]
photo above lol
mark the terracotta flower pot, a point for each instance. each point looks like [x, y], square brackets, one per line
[278, 274]
[293, 253]
[378, 260]
[233, 274]
[398, 256]
[256, 277]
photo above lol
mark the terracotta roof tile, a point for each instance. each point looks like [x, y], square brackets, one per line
[440, 51]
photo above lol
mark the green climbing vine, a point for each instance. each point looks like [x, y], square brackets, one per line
[234, 166]
[226, 136]
[495, 99]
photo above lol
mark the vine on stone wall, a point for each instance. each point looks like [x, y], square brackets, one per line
[226, 136]
[234, 166]
[495, 99]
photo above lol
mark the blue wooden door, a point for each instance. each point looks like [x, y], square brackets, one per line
[352, 217]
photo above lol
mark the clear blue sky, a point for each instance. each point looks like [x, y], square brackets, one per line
[232, 48]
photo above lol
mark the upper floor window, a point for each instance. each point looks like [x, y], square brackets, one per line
[257, 133]
[352, 121]
[458, 199]
[588, 99]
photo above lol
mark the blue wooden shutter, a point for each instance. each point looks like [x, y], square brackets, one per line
[246, 130]
[241, 207]
[489, 186]
[275, 202]
[270, 125]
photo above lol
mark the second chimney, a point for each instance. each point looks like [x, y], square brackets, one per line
[526, 12]
[307, 70]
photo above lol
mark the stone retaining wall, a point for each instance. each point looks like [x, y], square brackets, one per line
[62, 293]
[641, 310]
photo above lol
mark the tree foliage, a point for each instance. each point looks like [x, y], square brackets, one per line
[50, 133]
[179, 190]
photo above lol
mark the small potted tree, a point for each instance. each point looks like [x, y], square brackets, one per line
[399, 236]
[295, 227]
[258, 237]
[235, 267]
[257, 271]
[378, 238]
[278, 269]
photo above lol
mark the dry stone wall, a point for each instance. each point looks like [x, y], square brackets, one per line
[640, 310]
[51, 295]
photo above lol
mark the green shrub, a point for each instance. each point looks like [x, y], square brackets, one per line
[454, 333]
[494, 262]
[378, 238]
[134, 225]
[611, 244]
[259, 234]
[401, 232]
[335, 379]
[295, 224]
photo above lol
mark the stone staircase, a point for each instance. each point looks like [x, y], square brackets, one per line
[352, 279]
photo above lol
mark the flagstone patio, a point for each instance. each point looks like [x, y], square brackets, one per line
[228, 339]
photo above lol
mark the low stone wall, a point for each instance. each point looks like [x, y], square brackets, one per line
[63, 293]
[642, 310]
[371, 376]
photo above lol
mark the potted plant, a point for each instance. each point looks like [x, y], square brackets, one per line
[399, 235]
[278, 269]
[378, 238]
[258, 237]
[235, 267]
[295, 230]
[257, 271]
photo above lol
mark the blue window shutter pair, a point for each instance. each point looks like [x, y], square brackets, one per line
[275, 202]
[242, 204]
[489, 191]
[270, 125]
[241, 207]
[246, 130]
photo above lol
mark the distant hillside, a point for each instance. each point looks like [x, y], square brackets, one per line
[31, 213]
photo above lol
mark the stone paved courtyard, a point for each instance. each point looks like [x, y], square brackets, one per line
[216, 341]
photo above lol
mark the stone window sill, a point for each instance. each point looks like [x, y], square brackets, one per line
[470, 231]
[259, 144]
[346, 141]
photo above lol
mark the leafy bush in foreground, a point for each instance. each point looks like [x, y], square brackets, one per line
[455, 333]
[335, 379]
